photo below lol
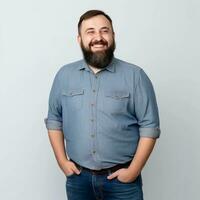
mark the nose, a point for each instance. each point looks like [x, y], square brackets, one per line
[98, 36]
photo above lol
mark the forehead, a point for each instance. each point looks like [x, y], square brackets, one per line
[96, 22]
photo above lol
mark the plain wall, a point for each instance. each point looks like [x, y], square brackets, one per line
[37, 37]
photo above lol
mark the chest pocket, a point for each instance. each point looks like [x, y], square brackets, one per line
[73, 99]
[116, 101]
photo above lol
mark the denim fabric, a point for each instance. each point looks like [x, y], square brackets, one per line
[87, 186]
[102, 115]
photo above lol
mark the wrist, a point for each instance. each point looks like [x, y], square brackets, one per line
[134, 170]
[62, 161]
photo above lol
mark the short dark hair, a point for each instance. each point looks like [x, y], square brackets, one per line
[92, 13]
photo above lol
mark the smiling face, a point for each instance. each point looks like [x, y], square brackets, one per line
[96, 39]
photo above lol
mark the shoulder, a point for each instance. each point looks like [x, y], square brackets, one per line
[129, 69]
[69, 68]
[127, 66]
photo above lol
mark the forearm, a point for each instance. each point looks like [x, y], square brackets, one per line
[57, 142]
[144, 149]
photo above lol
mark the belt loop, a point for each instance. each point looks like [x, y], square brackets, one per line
[80, 169]
[109, 172]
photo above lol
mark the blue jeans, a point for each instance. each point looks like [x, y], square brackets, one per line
[88, 186]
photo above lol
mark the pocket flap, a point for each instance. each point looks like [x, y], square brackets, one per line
[73, 92]
[117, 94]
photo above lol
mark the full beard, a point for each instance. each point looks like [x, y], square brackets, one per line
[98, 59]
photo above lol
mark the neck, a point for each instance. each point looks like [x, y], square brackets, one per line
[94, 69]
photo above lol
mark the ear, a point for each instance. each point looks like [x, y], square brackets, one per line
[114, 34]
[79, 39]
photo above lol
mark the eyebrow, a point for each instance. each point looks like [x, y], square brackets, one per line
[105, 27]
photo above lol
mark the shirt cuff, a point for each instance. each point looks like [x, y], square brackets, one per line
[52, 124]
[150, 132]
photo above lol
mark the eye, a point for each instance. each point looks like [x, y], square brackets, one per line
[90, 32]
[105, 31]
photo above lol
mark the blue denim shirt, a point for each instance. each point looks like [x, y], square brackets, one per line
[102, 115]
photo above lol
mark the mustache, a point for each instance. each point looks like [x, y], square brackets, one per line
[102, 42]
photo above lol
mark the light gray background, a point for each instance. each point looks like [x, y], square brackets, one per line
[37, 37]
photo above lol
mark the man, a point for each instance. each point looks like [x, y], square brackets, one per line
[106, 111]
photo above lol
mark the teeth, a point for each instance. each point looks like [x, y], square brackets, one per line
[98, 45]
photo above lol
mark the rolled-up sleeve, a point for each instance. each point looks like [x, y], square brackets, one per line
[146, 108]
[53, 121]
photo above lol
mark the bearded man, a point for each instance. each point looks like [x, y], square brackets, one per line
[103, 118]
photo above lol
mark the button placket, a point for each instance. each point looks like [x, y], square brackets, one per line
[94, 84]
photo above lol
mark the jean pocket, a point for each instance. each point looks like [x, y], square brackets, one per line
[138, 180]
[121, 182]
[69, 175]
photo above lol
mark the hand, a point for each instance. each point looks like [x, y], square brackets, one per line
[124, 175]
[69, 168]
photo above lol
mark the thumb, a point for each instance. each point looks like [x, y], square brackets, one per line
[76, 170]
[113, 175]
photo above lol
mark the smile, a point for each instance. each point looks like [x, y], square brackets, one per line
[99, 46]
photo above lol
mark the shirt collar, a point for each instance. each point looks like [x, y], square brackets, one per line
[110, 67]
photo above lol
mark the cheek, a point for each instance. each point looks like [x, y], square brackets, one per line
[108, 38]
[110, 41]
[86, 41]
